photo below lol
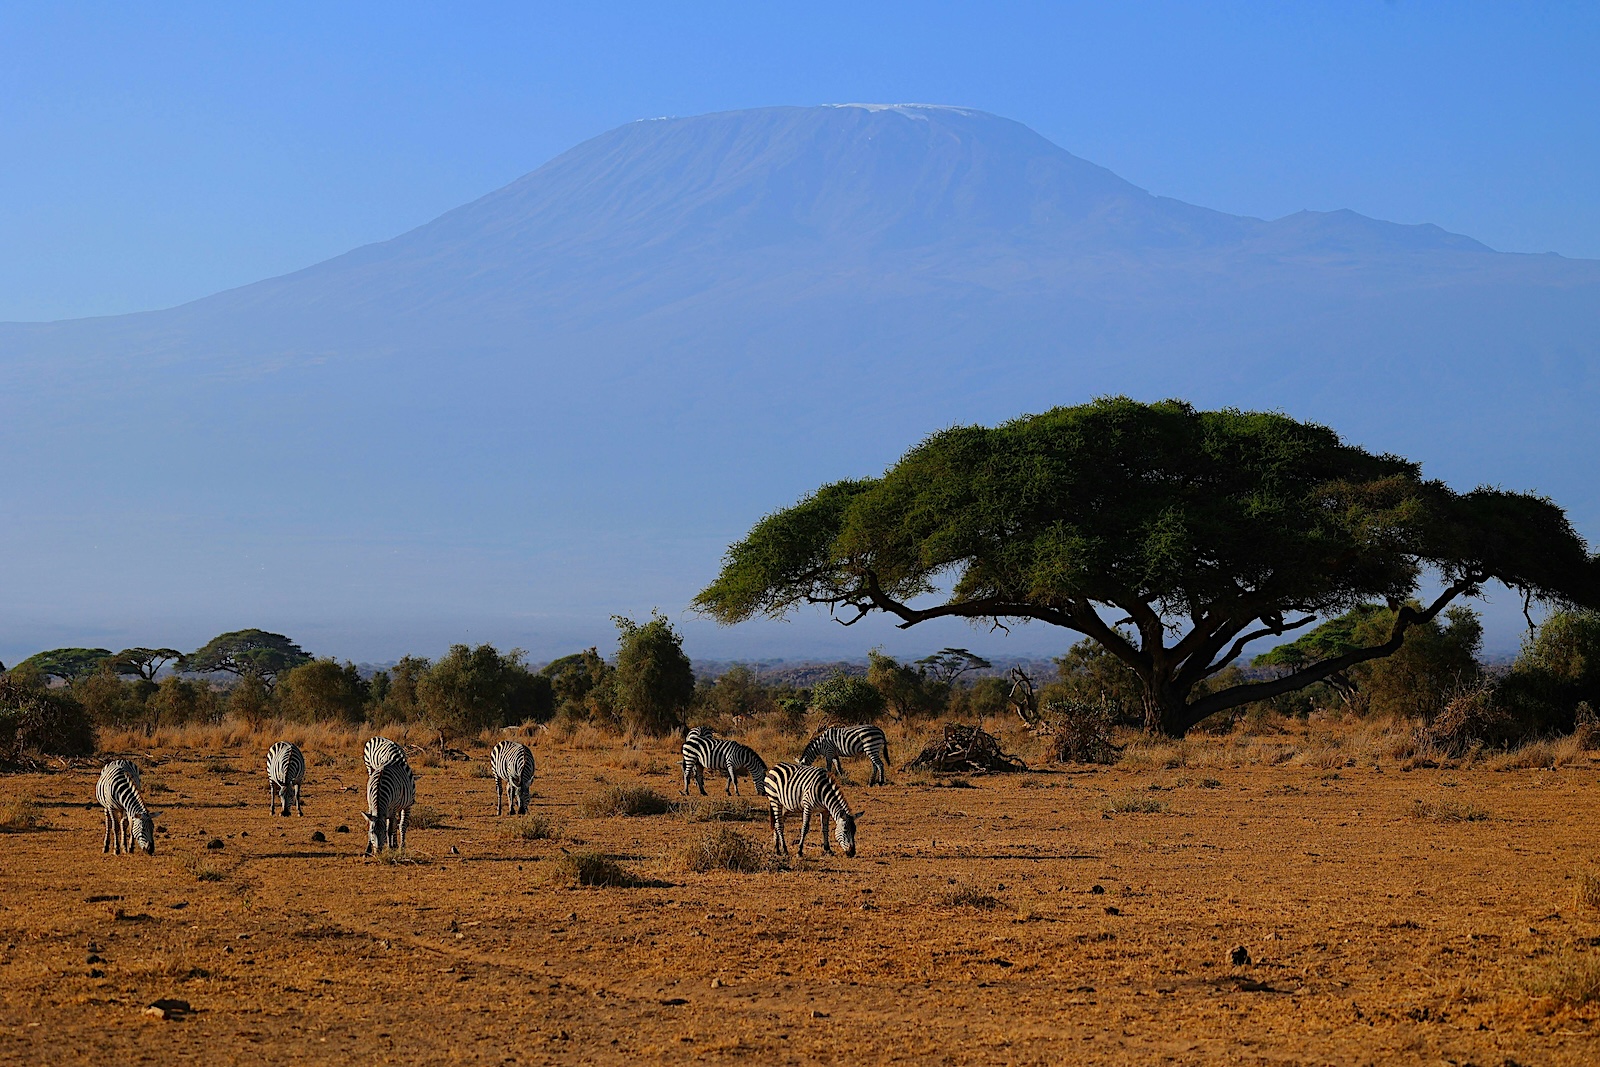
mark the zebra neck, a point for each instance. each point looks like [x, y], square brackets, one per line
[132, 804]
[833, 800]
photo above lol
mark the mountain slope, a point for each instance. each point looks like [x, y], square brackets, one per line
[564, 398]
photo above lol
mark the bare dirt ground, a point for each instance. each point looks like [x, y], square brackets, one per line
[1374, 935]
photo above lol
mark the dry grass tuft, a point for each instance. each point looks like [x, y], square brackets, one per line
[205, 870]
[968, 896]
[532, 828]
[1587, 893]
[19, 815]
[425, 817]
[1572, 978]
[1447, 810]
[726, 849]
[1133, 803]
[724, 809]
[592, 869]
[396, 857]
[624, 800]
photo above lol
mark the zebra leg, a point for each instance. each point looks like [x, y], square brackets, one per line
[404, 818]
[822, 828]
[880, 773]
[120, 822]
[779, 845]
[700, 777]
[500, 798]
[733, 782]
[686, 773]
[805, 827]
[298, 805]
[106, 845]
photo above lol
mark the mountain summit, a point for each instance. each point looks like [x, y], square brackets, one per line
[564, 398]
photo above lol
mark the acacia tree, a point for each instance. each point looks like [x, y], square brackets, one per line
[145, 662]
[1173, 537]
[255, 653]
[67, 664]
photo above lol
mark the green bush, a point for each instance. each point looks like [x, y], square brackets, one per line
[323, 691]
[847, 698]
[44, 721]
[654, 680]
[473, 689]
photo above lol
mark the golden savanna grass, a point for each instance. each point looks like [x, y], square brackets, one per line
[1029, 919]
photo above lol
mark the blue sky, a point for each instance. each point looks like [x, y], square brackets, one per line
[156, 153]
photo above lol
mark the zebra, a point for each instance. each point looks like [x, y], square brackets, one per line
[512, 765]
[722, 754]
[127, 819]
[865, 740]
[795, 787]
[391, 790]
[380, 750]
[696, 755]
[286, 771]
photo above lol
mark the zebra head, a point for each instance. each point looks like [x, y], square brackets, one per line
[844, 832]
[377, 838]
[143, 829]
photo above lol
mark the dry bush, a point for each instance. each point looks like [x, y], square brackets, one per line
[624, 800]
[425, 817]
[1446, 810]
[19, 815]
[204, 869]
[590, 868]
[1546, 754]
[724, 809]
[1572, 978]
[531, 828]
[1133, 802]
[726, 849]
[968, 896]
[1079, 732]
[1587, 894]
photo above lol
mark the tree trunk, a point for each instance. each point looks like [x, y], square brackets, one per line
[1166, 711]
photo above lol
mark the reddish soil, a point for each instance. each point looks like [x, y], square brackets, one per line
[1373, 935]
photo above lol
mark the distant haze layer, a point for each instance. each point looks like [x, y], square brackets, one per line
[563, 400]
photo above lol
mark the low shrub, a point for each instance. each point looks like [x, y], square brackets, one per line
[725, 849]
[1572, 978]
[1080, 731]
[624, 800]
[37, 720]
[1133, 803]
[968, 896]
[1587, 894]
[425, 817]
[19, 815]
[591, 869]
[1447, 810]
[725, 809]
[531, 828]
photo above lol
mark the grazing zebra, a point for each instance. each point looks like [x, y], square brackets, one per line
[391, 790]
[512, 765]
[794, 787]
[836, 741]
[696, 755]
[127, 819]
[722, 754]
[380, 750]
[286, 770]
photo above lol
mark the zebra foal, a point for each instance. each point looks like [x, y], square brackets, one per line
[512, 765]
[127, 819]
[837, 741]
[286, 770]
[793, 787]
[391, 791]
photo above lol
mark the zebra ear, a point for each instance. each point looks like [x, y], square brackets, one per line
[152, 814]
[367, 815]
[857, 816]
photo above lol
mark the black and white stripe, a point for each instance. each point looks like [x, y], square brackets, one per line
[512, 765]
[380, 750]
[286, 770]
[127, 819]
[391, 791]
[864, 740]
[724, 756]
[793, 787]
[696, 754]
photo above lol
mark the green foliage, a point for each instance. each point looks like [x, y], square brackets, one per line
[110, 701]
[49, 722]
[1433, 663]
[177, 701]
[847, 698]
[985, 698]
[323, 691]
[1559, 666]
[473, 689]
[581, 688]
[735, 692]
[1232, 522]
[253, 653]
[394, 699]
[907, 691]
[949, 664]
[251, 700]
[67, 664]
[1090, 673]
[654, 680]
